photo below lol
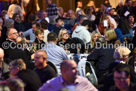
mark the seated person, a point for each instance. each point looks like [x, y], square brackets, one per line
[122, 79]
[70, 44]
[44, 71]
[56, 54]
[29, 77]
[59, 25]
[38, 43]
[123, 30]
[82, 32]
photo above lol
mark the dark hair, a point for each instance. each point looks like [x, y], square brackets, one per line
[44, 24]
[124, 25]
[52, 36]
[14, 16]
[85, 22]
[81, 17]
[59, 18]
[123, 68]
[14, 1]
[32, 18]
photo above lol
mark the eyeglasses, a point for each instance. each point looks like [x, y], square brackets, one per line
[65, 34]
[36, 58]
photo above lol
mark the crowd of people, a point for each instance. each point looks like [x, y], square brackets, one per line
[35, 46]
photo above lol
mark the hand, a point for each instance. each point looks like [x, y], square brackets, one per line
[21, 33]
[27, 41]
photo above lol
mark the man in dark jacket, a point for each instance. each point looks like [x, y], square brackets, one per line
[44, 71]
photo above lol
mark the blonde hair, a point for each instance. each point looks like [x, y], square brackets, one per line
[18, 63]
[110, 34]
[120, 51]
[92, 36]
[60, 34]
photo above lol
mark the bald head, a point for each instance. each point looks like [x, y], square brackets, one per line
[66, 63]
[1, 54]
[69, 71]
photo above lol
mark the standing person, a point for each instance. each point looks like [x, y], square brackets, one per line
[44, 26]
[52, 11]
[79, 7]
[69, 78]
[29, 7]
[14, 8]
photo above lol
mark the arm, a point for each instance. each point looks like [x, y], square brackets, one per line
[94, 55]
[87, 36]
[27, 33]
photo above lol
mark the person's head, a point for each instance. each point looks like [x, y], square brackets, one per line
[15, 84]
[52, 37]
[129, 3]
[49, 2]
[39, 33]
[63, 34]
[1, 55]
[71, 14]
[122, 53]
[9, 23]
[3, 13]
[32, 18]
[91, 3]
[43, 14]
[59, 22]
[44, 24]
[111, 11]
[21, 42]
[61, 11]
[82, 18]
[122, 76]
[12, 34]
[131, 19]
[85, 23]
[69, 71]
[110, 35]
[40, 59]
[15, 66]
[15, 1]
[17, 17]
[79, 4]
[35, 26]
[95, 36]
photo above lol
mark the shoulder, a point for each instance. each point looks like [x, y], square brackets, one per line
[51, 83]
